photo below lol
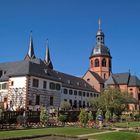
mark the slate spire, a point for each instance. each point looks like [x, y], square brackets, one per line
[47, 59]
[30, 54]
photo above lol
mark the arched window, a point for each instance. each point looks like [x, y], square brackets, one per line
[110, 64]
[104, 62]
[96, 63]
[91, 63]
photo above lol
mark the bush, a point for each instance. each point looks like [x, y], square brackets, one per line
[137, 115]
[44, 115]
[63, 118]
[83, 117]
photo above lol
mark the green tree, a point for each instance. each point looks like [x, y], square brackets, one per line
[65, 105]
[113, 100]
[107, 115]
[90, 116]
[83, 117]
[44, 115]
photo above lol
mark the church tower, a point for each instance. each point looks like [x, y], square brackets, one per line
[47, 59]
[30, 54]
[100, 59]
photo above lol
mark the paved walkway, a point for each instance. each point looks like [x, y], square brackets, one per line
[98, 133]
[91, 134]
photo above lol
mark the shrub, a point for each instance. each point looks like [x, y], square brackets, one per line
[44, 115]
[63, 118]
[83, 117]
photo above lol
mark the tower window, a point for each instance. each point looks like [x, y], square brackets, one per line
[96, 63]
[110, 64]
[104, 76]
[104, 62]
[91, 63]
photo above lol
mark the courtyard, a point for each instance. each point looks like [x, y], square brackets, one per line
[69, 133]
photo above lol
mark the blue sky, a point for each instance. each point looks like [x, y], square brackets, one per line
[70, 26]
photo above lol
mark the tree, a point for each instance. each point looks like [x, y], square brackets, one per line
[83, 117]
[65, 105]
[44, 115]
[113, 100]
[90, 116]
[107, 115]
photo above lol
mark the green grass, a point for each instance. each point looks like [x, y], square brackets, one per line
[130, 124]
[69, 131]
[117, 136]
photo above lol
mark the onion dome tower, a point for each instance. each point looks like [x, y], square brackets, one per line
[100, 58]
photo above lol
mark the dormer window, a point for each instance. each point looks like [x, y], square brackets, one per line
[69, 82]
[0, 73]
[85, 85]
[78, 83]
[46, 71]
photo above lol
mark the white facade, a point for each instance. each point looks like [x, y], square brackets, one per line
[17, 92]
[80, 96]
[47, 96]
[31, 92]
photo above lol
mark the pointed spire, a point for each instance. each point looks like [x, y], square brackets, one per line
[99, 23]
[99, 34]
[47, 59]
[30, 54]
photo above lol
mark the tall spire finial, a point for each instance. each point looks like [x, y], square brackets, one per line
[47, 59]
[99, 23]
[30, 54]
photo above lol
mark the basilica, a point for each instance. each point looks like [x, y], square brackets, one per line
[33, 82]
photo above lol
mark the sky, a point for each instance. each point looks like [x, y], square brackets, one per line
[71, 26]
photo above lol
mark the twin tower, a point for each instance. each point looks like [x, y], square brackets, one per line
[100, 58]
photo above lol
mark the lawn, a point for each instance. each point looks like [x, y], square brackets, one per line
[130, 124]
[117, 136]
[69, 131]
